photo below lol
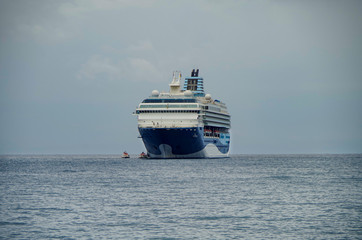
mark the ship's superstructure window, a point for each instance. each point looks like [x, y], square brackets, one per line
[216, 109]
[167, 111]
[191, 81]
[192, 84]
[169, 106]
[169, 100]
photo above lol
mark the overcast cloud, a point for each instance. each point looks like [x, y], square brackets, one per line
[72, 72]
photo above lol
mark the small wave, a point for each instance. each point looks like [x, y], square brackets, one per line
[48, 209]
[211, 218]
[12, 223]
[69, 171]
[282, 177]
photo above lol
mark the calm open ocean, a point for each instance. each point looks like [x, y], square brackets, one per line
[242, 197]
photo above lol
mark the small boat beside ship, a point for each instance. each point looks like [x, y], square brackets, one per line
[143, 155]
[125, 155]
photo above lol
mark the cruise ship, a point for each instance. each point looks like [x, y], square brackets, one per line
[184, 122]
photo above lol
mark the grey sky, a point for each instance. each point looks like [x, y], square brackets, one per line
[72, 72]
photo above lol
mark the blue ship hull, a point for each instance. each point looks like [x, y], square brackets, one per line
[183, 143]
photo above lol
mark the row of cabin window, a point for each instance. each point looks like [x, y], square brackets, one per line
[168, 111]
[170, 106]
[169, 100]
[206, 134]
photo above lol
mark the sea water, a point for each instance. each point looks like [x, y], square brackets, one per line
[241, 197]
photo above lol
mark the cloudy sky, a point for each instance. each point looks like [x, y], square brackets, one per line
[72, 72]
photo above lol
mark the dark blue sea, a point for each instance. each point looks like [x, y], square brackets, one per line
[242, 197]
